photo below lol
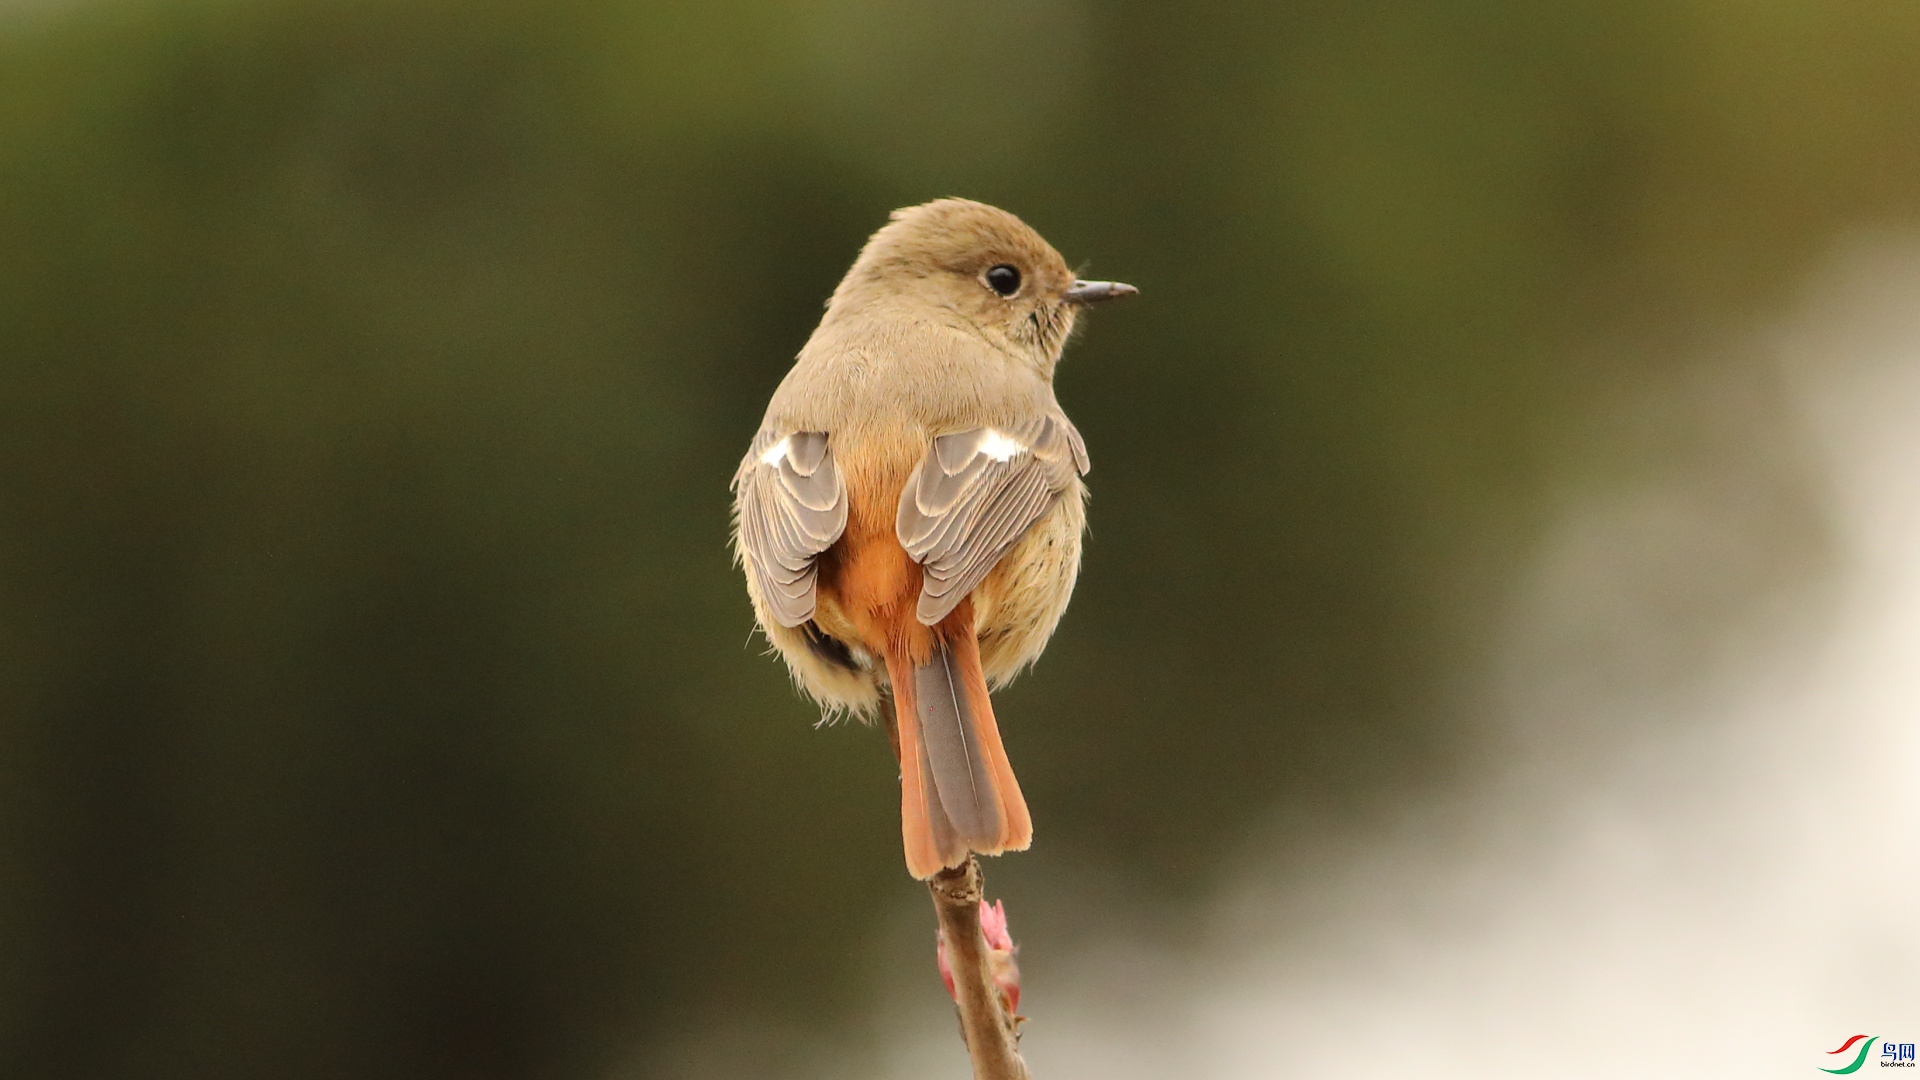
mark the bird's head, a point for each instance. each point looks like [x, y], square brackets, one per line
[981, 264]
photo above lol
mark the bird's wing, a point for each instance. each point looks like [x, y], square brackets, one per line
[791, 505]
[975, 494]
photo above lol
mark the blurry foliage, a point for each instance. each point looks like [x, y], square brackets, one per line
[377, 695]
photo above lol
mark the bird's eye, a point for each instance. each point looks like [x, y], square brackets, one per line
[1004, 279]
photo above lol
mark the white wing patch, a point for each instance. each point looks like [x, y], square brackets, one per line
[776, 452]
[999, 447]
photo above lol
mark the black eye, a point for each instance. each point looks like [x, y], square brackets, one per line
[1004, 280]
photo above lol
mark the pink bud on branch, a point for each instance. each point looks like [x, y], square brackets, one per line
[1000, 957]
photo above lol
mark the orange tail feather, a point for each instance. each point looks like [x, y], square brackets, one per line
[1017, 825]
[957, 789]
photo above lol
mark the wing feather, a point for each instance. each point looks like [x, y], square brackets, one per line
[791, 504]
[975, 494]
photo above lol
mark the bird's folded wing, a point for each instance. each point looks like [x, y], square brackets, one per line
[975, 494]
[792, 505]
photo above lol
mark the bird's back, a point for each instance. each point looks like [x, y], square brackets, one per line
[907, 377]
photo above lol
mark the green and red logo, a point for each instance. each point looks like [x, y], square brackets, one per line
[1892, 1055]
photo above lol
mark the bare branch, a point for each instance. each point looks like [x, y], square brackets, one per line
[992, 1038]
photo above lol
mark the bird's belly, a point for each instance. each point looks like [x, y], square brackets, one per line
[1019, 604]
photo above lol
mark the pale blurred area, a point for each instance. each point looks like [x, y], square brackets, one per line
[1677, 858]
[1495, 653]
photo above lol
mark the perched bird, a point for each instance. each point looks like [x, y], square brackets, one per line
[909, 514]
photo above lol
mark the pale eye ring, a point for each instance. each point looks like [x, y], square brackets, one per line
[1004, 279]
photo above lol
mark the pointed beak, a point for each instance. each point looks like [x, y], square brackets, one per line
[1093, 292]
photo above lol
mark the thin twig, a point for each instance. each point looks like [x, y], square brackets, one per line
[992, 1041]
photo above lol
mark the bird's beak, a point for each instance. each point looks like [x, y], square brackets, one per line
[1093, 292]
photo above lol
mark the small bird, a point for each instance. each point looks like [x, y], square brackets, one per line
[909, 514]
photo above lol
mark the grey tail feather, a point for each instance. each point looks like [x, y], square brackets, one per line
[952, 848]
[955, 759]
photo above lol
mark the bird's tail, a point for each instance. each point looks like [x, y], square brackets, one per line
[957, 791]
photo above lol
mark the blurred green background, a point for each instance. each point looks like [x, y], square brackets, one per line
[377, 697]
